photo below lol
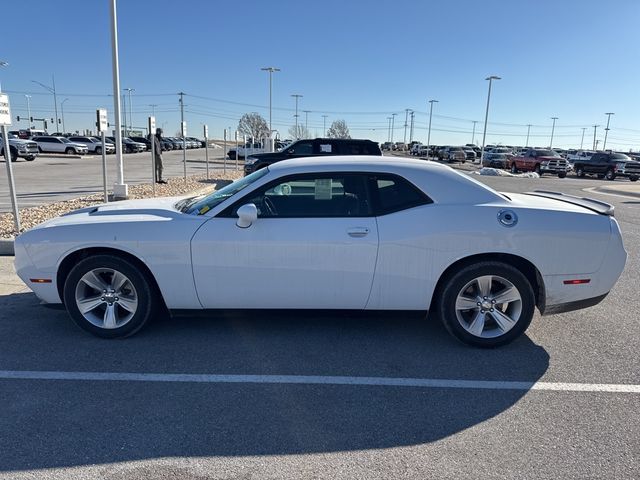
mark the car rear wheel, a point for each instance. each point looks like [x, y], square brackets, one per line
[486, 304]
[633, 178]
[513, 168]
[108, 296]
[610, 175]
[99, 150]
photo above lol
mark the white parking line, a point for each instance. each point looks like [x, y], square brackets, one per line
[317, 380]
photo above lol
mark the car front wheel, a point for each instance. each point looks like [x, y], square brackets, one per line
[610, 175]
[580, 172]
[633, 178]
[69, 151]
[486, 304]
[108, 296]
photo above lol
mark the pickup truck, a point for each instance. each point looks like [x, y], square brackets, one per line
[18, 147]
[540, 161]
[581, 155]
[608, 165]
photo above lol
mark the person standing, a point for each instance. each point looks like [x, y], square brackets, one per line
[157, 140]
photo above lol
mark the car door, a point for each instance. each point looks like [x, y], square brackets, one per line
[313, 245]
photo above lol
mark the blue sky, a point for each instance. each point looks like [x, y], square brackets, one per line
[355, 60]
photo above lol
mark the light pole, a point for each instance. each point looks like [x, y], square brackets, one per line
[595, 127]
[28, 97]
[153, 108]
[120, 189]
[526, 144]
[431, 102]
[324, 125]
[411, 128]
[64, 129]
[297, 96]
[606, 130]
[582, 141]
[51, 90]
[306, 121]
[389, 130]
[553, 127]
[473, 133]
[393, 123]
[486, 116]
[270, 70]
[129, 90]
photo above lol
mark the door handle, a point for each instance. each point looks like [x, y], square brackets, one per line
[358, 232]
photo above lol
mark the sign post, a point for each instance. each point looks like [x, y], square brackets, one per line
[183, 127]
[224, 153]
[102, 124]
[237, 149]
[5, 119]
[206, 148]
[152, 129]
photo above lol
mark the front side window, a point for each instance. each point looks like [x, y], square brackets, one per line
[301, 148]
[308, 196]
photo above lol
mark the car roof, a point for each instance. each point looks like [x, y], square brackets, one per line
[441, 182]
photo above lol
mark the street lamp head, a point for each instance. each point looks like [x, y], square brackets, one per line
[609, 113]
[554, 118]
[433, 101]
[493, 77]
[3, 63]
[270, 69]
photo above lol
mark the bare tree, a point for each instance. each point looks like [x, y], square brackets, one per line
[338, 129]
[253, 125]
[302, 132]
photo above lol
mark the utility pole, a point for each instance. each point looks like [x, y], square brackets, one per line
[153, 108]
[595, 127]
[553, 127]
[411, 128]
[473, 133]
[306, 121]
[431, 102]
[297, 96]
[582, 141]
[486, 116]
[526, 144]
[64, 129]
[406, 118]
[393, 123]
[55, 97]
[606, 130]
[324, 125]
[389, 130]
[125, 111]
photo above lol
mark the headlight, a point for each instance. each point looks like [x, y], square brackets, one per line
[620, 166]
[250, 160]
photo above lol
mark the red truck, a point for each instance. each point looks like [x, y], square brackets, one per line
[539, 161]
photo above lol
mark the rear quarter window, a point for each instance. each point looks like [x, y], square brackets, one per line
[394, 194]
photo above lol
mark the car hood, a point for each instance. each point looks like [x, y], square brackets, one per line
[153, 209]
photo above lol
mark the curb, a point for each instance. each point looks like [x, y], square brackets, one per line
[6, 247]
[618, 191]
[59, 155]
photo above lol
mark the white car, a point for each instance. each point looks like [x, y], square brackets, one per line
[53, 144]
[363, 233]
[94, 145]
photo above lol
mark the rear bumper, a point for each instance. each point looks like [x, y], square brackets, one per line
[571, 306]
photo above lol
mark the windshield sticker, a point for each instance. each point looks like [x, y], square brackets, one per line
[204, 209]
[323, 189]
[325, 148]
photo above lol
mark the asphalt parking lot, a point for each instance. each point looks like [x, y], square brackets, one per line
[327, 394]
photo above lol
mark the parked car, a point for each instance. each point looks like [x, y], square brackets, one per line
[496, 160]
[608, 165]
[60, 145]
[19, 148]
[387, 146]
[129, 146]
[178, 144]
[423, 151]
[470, 153]
[94, 145]
[579, 155]
[143, 140]
[452, 154]
[196, 142]
[540, 161]
[318, 147]
[273, 237]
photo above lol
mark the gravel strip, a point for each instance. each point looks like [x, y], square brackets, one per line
[30, 217]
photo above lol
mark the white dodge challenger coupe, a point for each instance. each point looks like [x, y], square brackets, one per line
[368, 233]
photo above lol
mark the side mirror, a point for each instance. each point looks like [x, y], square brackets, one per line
[290, 151]
[247, 214]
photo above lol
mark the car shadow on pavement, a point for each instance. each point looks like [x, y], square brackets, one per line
[46, 424]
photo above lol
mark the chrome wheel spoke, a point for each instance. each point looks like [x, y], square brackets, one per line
[118, 281]
[508, 295]
[110, 319]
[90, 303]
[129, 304]
[504, 322]
[484, 285]
[94, 281]
[477, 324]
[466, 303]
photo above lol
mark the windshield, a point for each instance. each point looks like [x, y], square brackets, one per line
[63, 140]
[201, 205]
[547, 153]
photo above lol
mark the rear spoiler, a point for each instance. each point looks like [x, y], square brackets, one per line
[603, 208]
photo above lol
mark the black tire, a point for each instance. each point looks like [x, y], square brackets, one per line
[514, 169]
[610, 175]
[30, 158]
[70, 151]
[537, 169]
[633, 178]
[600, 176]
[562, 174]
[98, 150]
[141, 284]
[579, 171]
[455, 282]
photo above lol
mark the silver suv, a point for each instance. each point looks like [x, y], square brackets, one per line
[20, 148]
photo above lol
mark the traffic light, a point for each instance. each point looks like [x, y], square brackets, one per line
[18, 117]
[31, 119]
